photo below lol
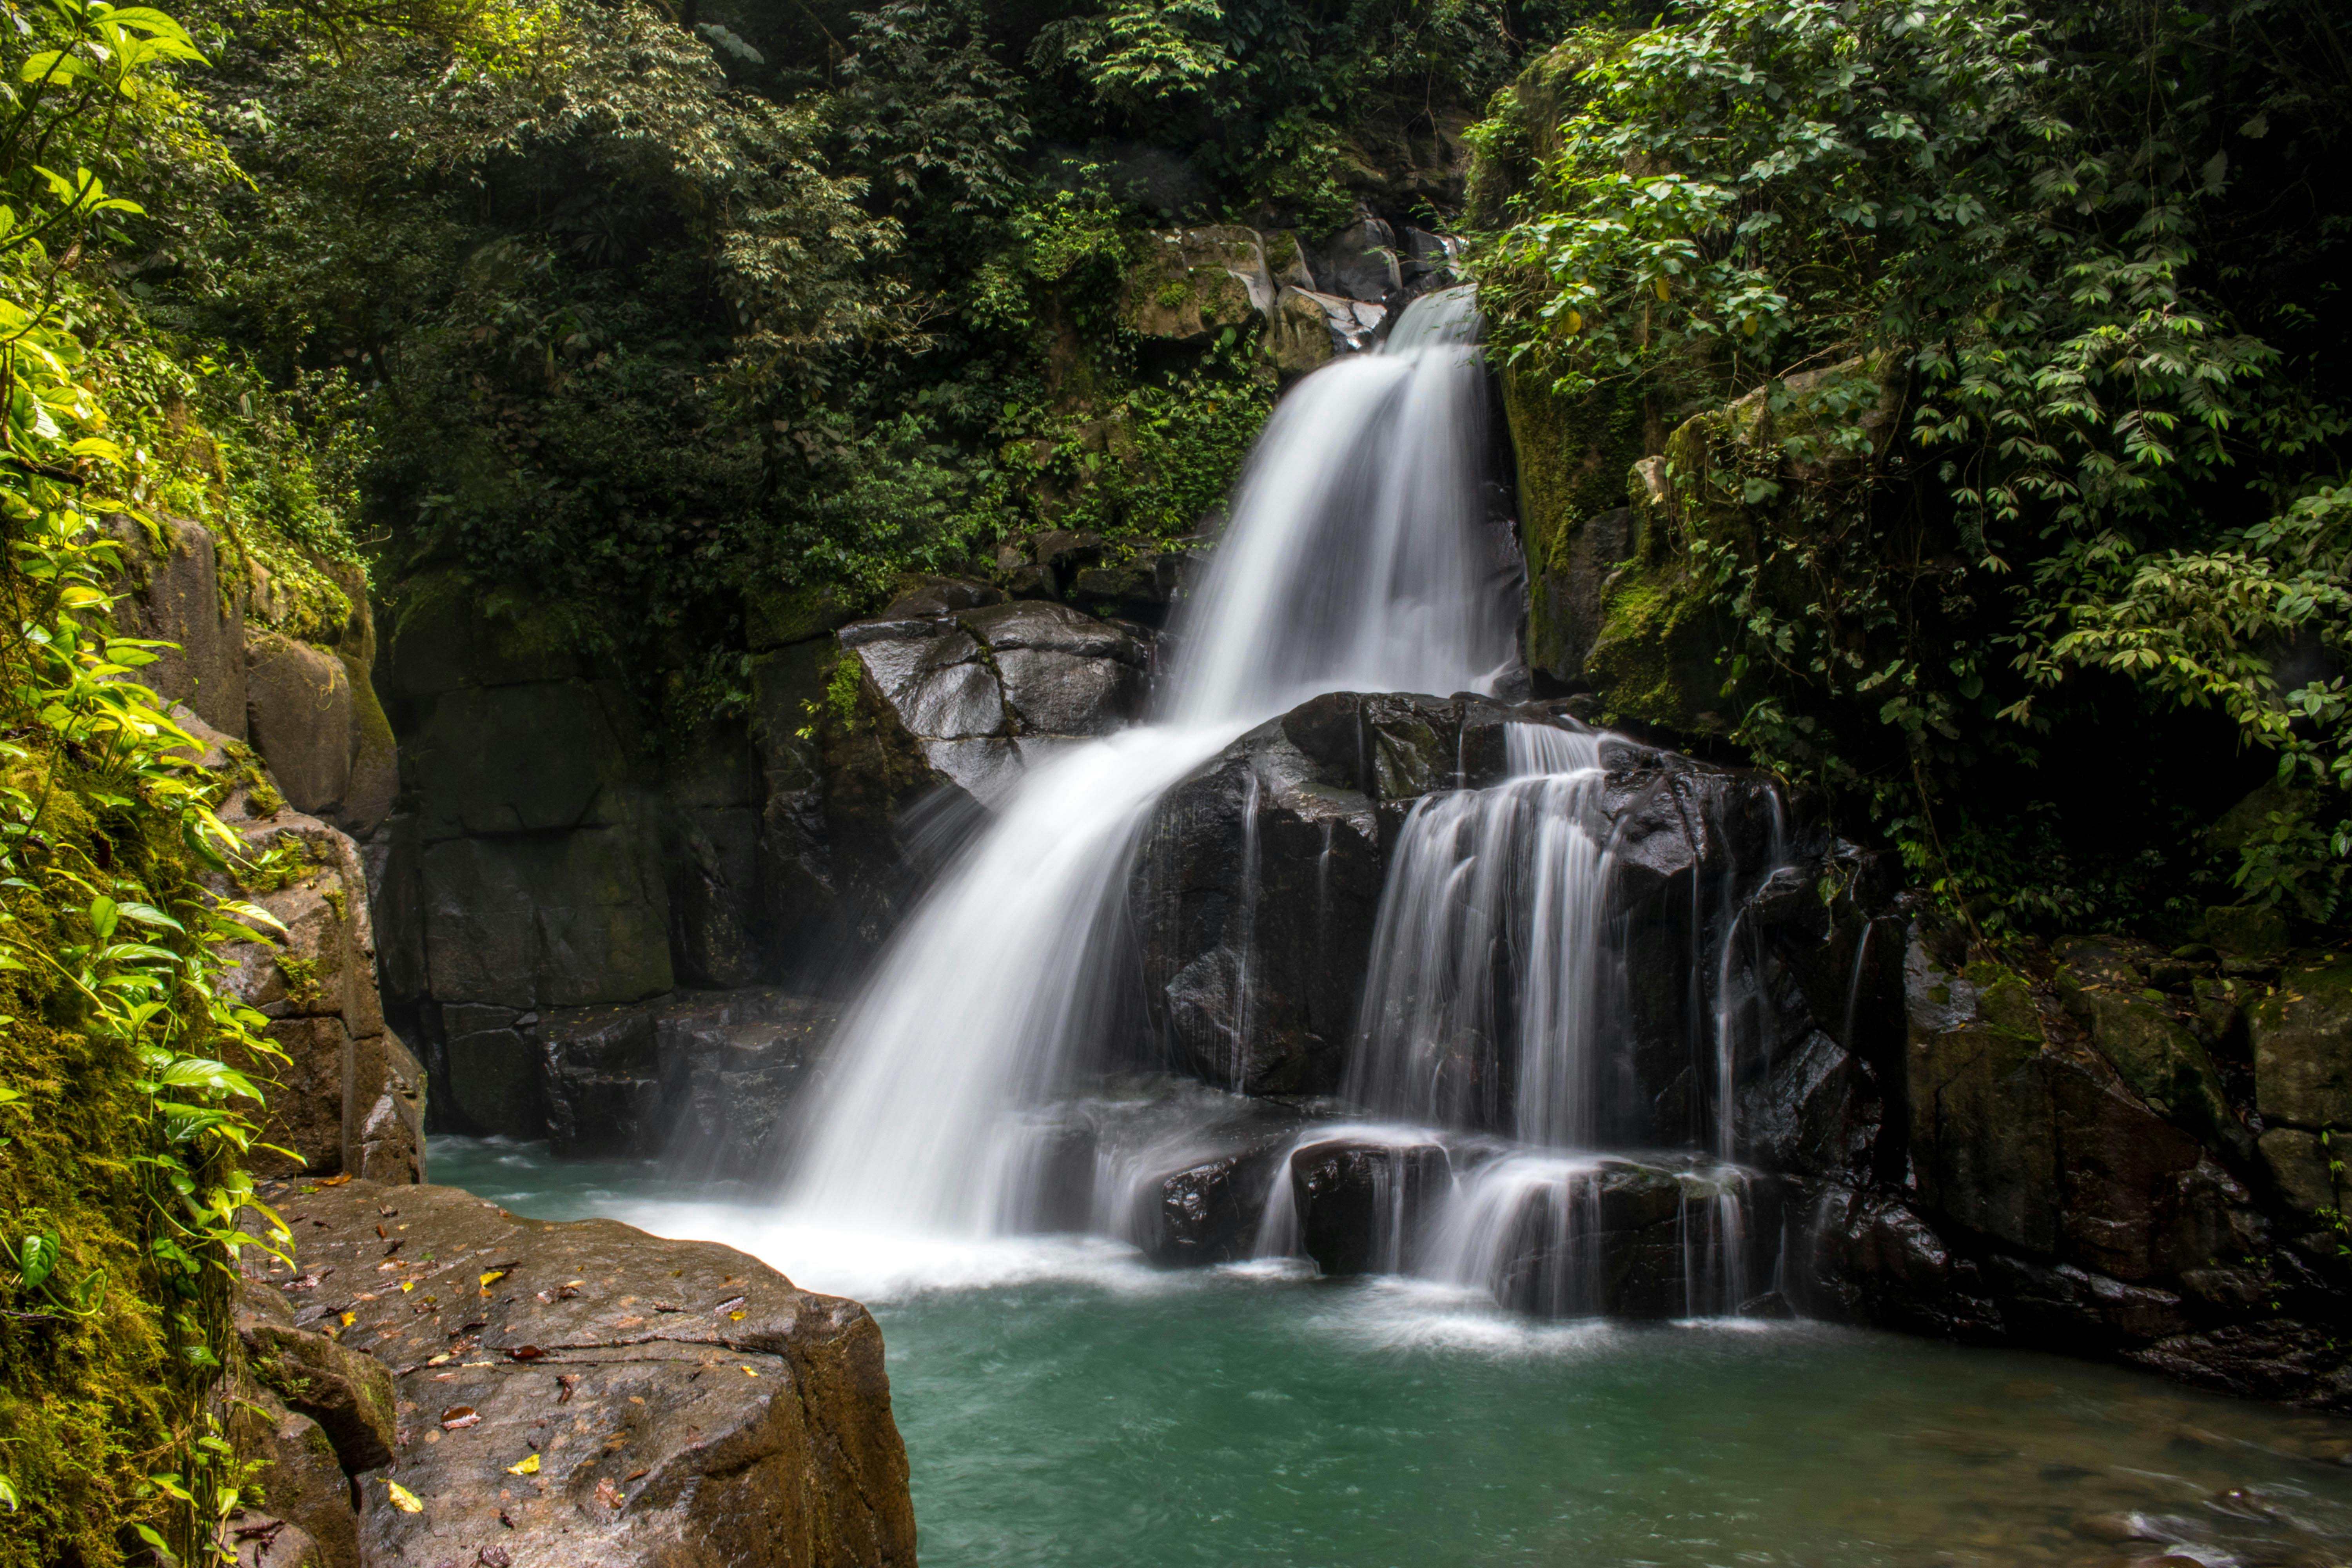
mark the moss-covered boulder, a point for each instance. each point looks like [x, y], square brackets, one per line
[1188, 285]
[1573, 454]
[2302, 1036]
[2103, 982]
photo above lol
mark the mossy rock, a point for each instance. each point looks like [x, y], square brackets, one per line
[1573, 454]
[1659, 659]
[777, 616]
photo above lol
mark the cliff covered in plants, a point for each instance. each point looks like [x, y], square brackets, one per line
[1941, 406]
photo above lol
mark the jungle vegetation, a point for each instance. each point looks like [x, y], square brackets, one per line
[639, 311]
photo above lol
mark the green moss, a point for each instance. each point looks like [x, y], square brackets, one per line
[1573, 454]
[88, 1405]
[1658, 657]
[1173, 293]
[842, 688]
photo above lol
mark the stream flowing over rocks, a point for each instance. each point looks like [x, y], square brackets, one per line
[1722, 1062]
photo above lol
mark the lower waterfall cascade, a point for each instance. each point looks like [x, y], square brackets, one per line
[1509, 1156]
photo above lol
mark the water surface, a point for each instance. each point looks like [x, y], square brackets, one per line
[1063, 1405]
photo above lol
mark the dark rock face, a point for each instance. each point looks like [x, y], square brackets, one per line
[573, 1394]
[2080, 1167]
[1359, 1204]
[1258, 888]
[1252, 899]
[703, 1078]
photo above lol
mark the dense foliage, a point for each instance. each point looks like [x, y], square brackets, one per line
[121, 1127]
[671, 312]
[2053, 529]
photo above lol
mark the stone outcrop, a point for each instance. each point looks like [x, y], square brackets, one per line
[985, 689]
[442, 1380]
[704, 1077]
[2081, 1160]
[1310, 298]
[345, 1094]
[304, 706]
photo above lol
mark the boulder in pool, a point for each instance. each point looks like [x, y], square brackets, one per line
[586, 1394]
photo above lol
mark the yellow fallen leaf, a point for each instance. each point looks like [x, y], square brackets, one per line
[528, 1466]
[349, 1318]
[734, 1317]
[403, 1499]
[408, 1285]
[494, 1276]
[748, 1373]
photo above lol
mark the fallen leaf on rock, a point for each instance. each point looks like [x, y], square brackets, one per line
[526, 1466]
[565, 1385]
[636, 1475]
[748, 1373]
[524, 1353]
[734, 1317]
[608, 1494]
[442, 1360]
[459, 1416]
[408, 1285]
[667, 1307]
[403, 1499]
[569, 1289]
[335, 1181]
[349, 1318]
[494, 1556]
[494, 1276]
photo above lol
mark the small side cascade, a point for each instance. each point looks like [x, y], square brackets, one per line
[1481, 1005]
[1489, 1011]
[1527, 1230]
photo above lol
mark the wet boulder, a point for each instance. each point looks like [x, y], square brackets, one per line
[490, 1061]
[730, 1064]
[1359, 1204]
[703, 1078]
[600, 1081]
[587, 1393]
[1253, 893]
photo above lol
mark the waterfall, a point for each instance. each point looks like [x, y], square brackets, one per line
[1482, 1004]
[1355, 559]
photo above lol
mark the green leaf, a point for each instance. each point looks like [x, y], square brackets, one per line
[104, 914]
[36, 1259]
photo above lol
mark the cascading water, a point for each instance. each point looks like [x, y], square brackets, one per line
[1481, 1006]
[1355, 559]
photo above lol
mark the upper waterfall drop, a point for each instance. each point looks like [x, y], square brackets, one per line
[1356, 557]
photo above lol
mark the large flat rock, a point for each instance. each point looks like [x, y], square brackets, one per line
[685, 1405]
